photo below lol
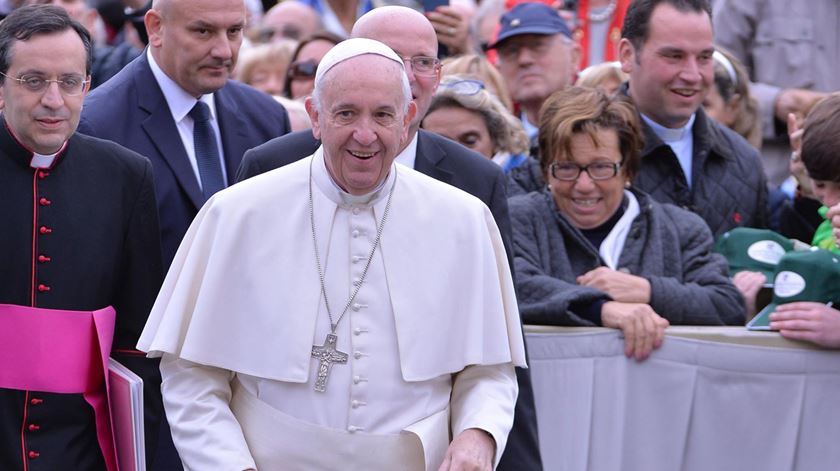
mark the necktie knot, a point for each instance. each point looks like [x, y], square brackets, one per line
[200, 113]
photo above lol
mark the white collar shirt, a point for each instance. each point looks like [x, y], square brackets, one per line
[180, 103]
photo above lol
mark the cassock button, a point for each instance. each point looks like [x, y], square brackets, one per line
[33, 427]
[355, 234]
[356, 306]
[355, 210]
[33, 454]
[353, 429]
[357, 379]
[356, 282]
[43, 288]
[354, 404]
[44, 202]
[35, 401]
[357, 355]
[44, 259]
[44, 230]
[356, 259]
[357, 331]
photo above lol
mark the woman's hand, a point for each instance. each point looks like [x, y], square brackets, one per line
[833, 215]
[620, 286]
[813, 322]
[749, 283]
[452, 28]
[643, 328]
[797, 168]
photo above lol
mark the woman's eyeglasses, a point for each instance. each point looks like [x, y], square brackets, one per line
[569, 171]
[303, 70]
[463, 87]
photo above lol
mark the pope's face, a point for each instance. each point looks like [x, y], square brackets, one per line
[361, 120]
[43, 120]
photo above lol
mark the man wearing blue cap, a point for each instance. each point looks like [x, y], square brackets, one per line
[537, 57]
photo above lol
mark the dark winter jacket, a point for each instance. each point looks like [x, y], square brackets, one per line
[670, 247]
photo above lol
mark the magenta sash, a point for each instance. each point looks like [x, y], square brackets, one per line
[60, 351]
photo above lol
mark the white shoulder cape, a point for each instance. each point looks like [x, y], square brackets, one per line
[242, 293]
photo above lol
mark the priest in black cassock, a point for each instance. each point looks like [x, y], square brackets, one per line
[79, 247]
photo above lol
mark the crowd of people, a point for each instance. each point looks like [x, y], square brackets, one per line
[315, 227]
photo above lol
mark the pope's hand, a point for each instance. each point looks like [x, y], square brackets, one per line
[471, 450]
[642, 327]
[620, 286]
[812, 322]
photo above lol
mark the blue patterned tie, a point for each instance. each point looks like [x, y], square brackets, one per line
[206, 150]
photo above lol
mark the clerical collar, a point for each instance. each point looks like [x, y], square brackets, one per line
[409, 155]
[11, 146]
[669, 135]
[324, 181]
[179, 101]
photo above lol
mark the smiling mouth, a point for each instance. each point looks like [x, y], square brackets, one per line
[586, 202]
[361, 155]
[685, 92]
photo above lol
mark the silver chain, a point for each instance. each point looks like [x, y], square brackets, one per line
[334, 325]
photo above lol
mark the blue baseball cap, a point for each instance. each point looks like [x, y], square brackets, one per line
[530, 18]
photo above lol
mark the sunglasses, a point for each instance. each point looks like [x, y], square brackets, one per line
[303, 70]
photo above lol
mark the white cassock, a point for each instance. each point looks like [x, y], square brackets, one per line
[432, 336]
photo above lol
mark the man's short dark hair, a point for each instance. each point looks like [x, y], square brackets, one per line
[636, 26]
[821, 140]
[32, 20]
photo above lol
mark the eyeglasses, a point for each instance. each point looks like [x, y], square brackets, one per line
[423, 65]
[569, 172]
[303, 70]
[464, 87]
[71, 85]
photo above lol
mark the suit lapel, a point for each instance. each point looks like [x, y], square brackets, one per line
[430, 158]
[163, 133]
[234, 131]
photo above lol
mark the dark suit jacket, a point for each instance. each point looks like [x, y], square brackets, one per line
[452, 163]
[130, 109]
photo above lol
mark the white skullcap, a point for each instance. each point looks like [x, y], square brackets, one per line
[350, 48]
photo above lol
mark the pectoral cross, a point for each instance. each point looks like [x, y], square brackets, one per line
[327, 354]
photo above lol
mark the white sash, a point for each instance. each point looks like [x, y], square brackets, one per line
[278, 441]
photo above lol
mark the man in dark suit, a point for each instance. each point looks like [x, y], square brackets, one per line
[175, 105]
[147, 107]
[413, 38]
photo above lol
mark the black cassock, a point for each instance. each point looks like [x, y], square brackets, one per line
[81, 234]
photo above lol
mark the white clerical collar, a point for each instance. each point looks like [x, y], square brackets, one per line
[409, 155]
[324, 181]
[669, 135]
[180, 102]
